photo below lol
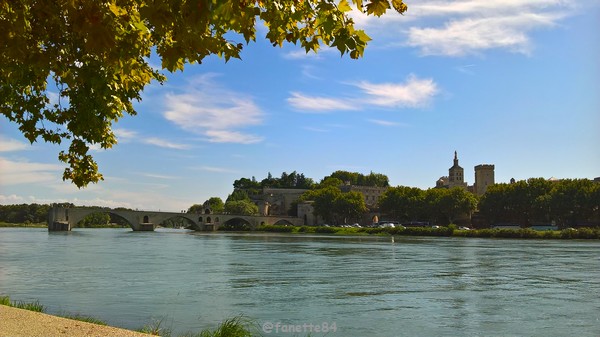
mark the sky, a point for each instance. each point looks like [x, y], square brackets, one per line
[514, 83]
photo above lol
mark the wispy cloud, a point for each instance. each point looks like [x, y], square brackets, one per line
[384, 122]
[165, 143]
[472, 35]
[463, 27]
[309, 128]
[23, 172]
[415, 92]
[217, 169]
[214, 112]
[10, 145]
[317, 104]
[126, 135]
[158, 176]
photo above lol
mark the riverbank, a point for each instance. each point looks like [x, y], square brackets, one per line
[522, 233]
[17, 322]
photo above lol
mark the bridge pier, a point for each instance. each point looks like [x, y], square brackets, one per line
[59, 226]
[144, 227]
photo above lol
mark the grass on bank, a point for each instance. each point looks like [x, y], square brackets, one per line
[238, 326]
[24, 225]
[522, 233]
[31, 306]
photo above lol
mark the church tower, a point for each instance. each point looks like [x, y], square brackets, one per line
[456, 176]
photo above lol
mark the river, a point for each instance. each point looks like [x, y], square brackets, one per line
[292, 284]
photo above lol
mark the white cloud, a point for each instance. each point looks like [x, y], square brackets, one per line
[463, 27]
[125, 134]
[384, 123]
[165, 143]
[22, 172]
[475, 26]
[319, 104]
[212, 111]
[11, 199]
[415, 92]
[468, 36]
[10, 145]
[218, 169]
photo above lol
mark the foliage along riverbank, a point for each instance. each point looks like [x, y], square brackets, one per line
[238, 326]
[24, 225]
[452, 230]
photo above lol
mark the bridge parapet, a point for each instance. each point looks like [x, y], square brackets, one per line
[64, 219]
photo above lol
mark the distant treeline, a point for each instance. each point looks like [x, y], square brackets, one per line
[38, 213]
[24, 213]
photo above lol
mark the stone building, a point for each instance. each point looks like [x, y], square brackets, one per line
[456, 176]
[276, 201]
[371, 194]
[484, 177]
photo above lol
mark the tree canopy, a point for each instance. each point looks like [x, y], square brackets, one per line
[568, 202]
[71, 68]
[355, 178]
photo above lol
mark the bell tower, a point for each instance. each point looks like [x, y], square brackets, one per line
[456, 174]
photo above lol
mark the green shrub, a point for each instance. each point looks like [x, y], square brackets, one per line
[323, 229]
[276, 228]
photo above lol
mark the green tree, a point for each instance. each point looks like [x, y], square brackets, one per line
[402, 203]
[241, 207]
[456, 202]
[354, 178]
[99, 219]
[574, 201]
[334, 206]
[216, 204]
[324, 201]
[238, 195]
[95, 52]
[350, 206]
[195, 208]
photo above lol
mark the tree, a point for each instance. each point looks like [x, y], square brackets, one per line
[334, 206]
[402, 203]
[216, 204]
[238, 195]
[456, 202]
[350, 206]
[241, 207]
[94, 53]
[195, 208]
[98, 219]
[354, 178]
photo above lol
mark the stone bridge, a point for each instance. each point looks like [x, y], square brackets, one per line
[64, 219]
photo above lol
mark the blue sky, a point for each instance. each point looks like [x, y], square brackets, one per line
[511, 83]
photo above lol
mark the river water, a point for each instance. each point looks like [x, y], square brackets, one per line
[292, 284]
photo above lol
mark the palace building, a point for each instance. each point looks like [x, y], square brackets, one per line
[484, 177]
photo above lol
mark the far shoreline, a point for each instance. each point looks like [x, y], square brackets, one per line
[585, 233]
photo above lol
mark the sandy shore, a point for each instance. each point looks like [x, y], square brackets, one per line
[24, 323]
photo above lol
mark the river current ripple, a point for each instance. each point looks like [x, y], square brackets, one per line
[346, 286]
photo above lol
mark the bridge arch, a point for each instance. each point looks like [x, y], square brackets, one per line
[237, 223]
[283, 222]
